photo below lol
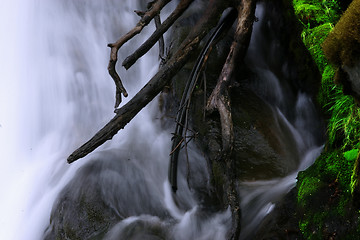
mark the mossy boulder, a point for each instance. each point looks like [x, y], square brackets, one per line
[321, 206]
[325, 206]
[342, 48]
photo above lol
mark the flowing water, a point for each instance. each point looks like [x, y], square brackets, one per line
[56, 93]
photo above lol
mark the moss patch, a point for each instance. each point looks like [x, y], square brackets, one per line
[325, 206]
[342, 46]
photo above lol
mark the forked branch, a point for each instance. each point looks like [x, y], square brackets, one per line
[145, 19]
[220, 100]
[156, 83]
[149, 43]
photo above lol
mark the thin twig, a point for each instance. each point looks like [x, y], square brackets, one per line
[149, 43]
[204, 111]
[161, 39]
[145, 19]
[177, 146]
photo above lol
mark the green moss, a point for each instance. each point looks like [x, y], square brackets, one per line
[325, 191]
[355, 177]
[313, 37]
[343, 204]
[344, 124]
[323, 195]
[329, 167]
[343, 44]
[316, 12]
[307, 188]
[351, 155]
[311, 226]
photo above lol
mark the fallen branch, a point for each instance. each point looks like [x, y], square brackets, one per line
[149, 43]
[156, 83]
[161, 39]
[220, 100]
[145, 19]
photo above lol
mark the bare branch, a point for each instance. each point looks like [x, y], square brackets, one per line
[219, 98]
[161, 39]
[155, 85]
[181, 117]
[139, 13]
[145, 19]
[149, 43]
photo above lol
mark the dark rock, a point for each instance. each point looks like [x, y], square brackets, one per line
[149, 229]
[265, 146]
[282, 222]
[102, 193]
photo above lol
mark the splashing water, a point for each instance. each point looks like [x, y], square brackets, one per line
[56, 93]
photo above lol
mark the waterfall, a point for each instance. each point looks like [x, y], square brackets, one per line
[56, 93]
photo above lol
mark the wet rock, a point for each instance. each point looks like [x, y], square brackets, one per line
[282, 222]
[103, 192]
[149, 228]
[96, 201]
[278, 66]
[265, 145]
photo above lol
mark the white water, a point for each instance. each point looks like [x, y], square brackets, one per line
[56, 93]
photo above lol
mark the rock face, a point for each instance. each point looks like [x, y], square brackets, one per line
[264, 99]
